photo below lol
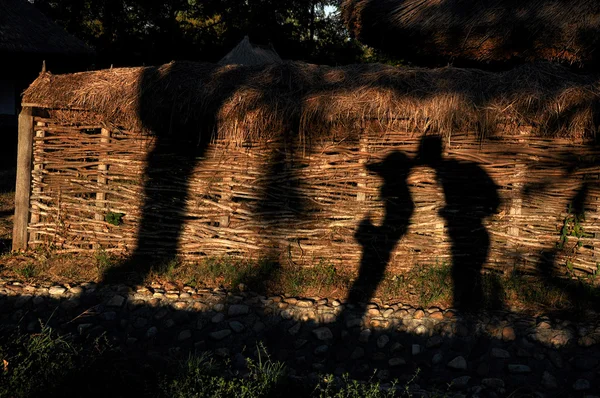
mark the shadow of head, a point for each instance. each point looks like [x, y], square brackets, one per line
[394, 165]
[430, 151]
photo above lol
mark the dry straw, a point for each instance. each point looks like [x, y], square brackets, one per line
[479, 30]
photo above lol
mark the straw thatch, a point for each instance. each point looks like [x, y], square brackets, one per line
[246, 53]
[24, 29]
[479, 30]
[251, 103]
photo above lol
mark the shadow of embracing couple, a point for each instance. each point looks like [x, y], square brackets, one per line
[470, 196]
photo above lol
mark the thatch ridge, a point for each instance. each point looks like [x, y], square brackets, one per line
[24, 29]
[246, 53]
[480, 30]
[257, 103]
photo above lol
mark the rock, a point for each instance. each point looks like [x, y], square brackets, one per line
[556, 359]
[294, 330]
[305, 303]
[500, 353]
[437, 358]
[21, 301]
[38, 300]
[220, 334]
[76, 290]
[184, 335]
[358, 353]
[585, 363]
[437, 315]
[236, 326]
[388, 312]
[238, 309]
[415, 349]
[364, 336]
[434, 341]
[393, 362]
[219, 307]
[180, 305]
[508, 334]
[82, 328]
[396, 347]
[383, 374]
[287, 314]
[460, 383]
[493, 383]
[549, 381]
[218, 318]
[299, 343]
[419, 314]
[321, 350]
[458, 363]
[383, 340]
[153, 331]
[581, 385]
[140, 323]
[56, 290]
[323, 333]
[353, 322]
[116, 301]
[519, 369]
[258, 327]
[421, 330]
[109, 316]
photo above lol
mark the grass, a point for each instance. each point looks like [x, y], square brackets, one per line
[422, 286]
[49, 365]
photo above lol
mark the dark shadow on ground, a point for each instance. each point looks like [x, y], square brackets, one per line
[149, 335]
[468, 203]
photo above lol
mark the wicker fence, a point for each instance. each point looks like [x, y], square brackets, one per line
[89, 186]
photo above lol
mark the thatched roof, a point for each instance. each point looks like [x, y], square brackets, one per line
[24, 29]
[246, 53]
[480, 30]
[249, 103]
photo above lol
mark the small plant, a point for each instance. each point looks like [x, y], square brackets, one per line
[104, 260]
[201, 376]
[114, 218]
[29, 270]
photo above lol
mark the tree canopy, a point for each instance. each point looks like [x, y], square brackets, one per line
[137, 32]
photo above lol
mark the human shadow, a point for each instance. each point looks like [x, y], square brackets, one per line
[580, 294]
[179, 106]
[468, 202]
[378, 242]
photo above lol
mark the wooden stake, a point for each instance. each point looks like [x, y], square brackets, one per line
[23, 183]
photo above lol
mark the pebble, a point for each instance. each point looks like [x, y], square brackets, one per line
[238, 309]
[218, 318]
[382, 341]
[458, 363]
[220, 334]
[116, 301]
[237, 326]
[500, 353]
[519, 368]
[323, 333]
[56, 290]
[581, 385]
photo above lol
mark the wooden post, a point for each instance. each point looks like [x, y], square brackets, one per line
[36, 177]
[23, 183]
[102, 171]
[361, 196]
